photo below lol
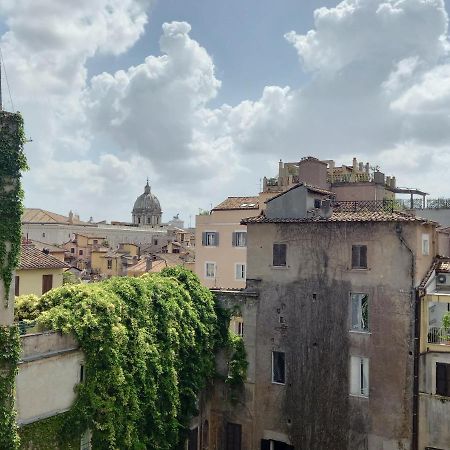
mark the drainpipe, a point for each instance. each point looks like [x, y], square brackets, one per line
[416, 347]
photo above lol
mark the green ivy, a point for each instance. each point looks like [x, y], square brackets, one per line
[12, 162]
[47, 434]
[237, 366]
[149, 346]
[9, 357]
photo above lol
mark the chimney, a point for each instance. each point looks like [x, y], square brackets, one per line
[361, 167]
[325, 209]
[367, 168]
[148, 263]
[70, 217]
[355, 164]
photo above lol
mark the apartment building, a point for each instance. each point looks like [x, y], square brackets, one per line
[328, 319]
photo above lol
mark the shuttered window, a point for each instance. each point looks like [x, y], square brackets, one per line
[239, 239]
[279, 254]
[210, 238]
[443, 379]
[360, 312]
[359, 257]
[233, 436]
[47, 283]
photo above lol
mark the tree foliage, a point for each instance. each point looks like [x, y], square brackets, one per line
[150, 346]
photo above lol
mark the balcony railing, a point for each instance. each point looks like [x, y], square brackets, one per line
[439, 336]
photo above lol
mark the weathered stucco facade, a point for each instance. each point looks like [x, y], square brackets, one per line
[304, 311]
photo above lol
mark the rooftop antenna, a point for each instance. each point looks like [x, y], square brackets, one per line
[2, 64]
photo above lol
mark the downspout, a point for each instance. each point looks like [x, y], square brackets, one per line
[416, 346]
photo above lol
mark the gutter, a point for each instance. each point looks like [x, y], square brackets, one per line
[415, 296]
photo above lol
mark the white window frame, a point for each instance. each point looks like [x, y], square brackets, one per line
[278, 382]
[357, 327]
[425, 244]
[243, 271]
[210, 277]
[359, 376]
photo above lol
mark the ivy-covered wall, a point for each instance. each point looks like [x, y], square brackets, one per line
[149, 345]
[12, 162]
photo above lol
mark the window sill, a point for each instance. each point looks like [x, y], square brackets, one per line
[359, 396]
[359, 269]
[279, 384]
[279, 267]
[360, 332]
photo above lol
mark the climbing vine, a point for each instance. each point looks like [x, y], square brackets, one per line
[12, 162]
[9, 357]
[149, 346]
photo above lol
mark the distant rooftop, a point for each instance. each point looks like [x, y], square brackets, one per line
[38, 215]
[238, 203]
[33, 258]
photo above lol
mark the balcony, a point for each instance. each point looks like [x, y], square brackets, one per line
[439, 336]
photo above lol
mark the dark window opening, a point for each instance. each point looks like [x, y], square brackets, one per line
[277, 445]
[16, 285]
[233, 436]
[278, 368]
[317, 203]
[359, 256]
[72, 250]
[81, 373]
[193, 439]
[279, 254]
[109, 263]
[443, 379]
[80, 252]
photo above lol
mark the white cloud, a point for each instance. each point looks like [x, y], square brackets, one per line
[379, 89]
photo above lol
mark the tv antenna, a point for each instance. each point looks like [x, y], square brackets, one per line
[2, 65]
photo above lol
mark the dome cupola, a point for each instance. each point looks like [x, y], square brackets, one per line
[147, 210]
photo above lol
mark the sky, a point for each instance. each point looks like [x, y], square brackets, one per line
[204, 97]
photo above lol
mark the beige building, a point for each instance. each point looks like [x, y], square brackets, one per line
[328, 324]
[79, 249]
[112, 263]
[221, 242]
[38, 272]
[434, 359]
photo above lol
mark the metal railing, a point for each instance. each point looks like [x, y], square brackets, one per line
[26, 326]
[365, 206]
[439, 336]
[438, 203]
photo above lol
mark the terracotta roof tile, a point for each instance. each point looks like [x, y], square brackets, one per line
[238, 203]
[359, 216]
[33, 258]
[38, 215]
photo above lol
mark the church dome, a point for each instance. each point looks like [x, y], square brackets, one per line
[147, 202]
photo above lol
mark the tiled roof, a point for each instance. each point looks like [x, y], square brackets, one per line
[440, 264]
[362, 216]
[238, 203]
[33, 258]
[443, 265]
[310, 188]
[37, 215]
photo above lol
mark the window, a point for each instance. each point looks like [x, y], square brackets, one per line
[360, 312]
[239, 327]
[359, 376]
[193, 439]
[109, 264]
[47, 283]
[317, 203]
[425, 244]
[239, 239]
[443, 379]
[210, 238]
[233, 436]
[210, 270]
[80, 252]
[267, 444]
[85, 443]
[16, 285]
[240, 271]
[278, 368]
[95, 241]
[43, 234]
[155, 241]
[81, 373]
[72, 250]
[359, 256]
[279, 255]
